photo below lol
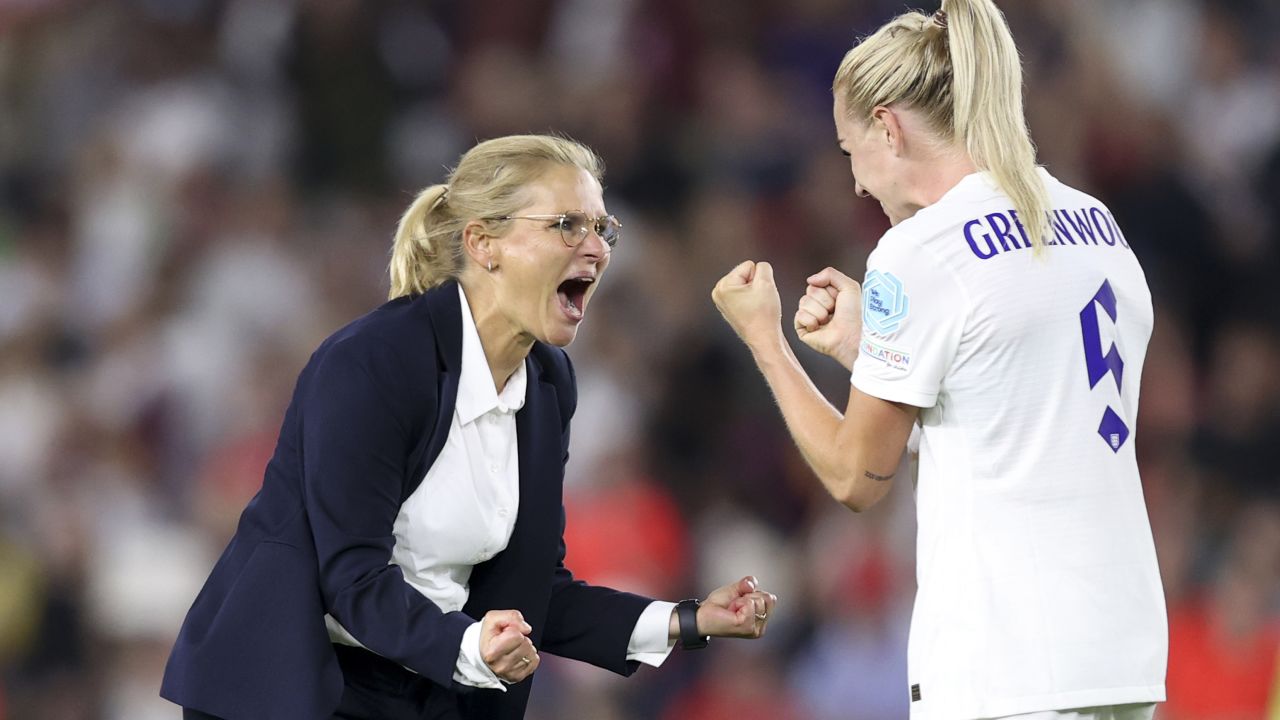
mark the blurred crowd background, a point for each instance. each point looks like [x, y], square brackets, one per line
[194, 193]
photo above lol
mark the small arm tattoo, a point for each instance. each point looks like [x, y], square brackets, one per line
[878, 478]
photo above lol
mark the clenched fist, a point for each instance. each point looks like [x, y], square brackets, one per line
[739, 609]
[829, 315]
[505, 645]
[748, 299]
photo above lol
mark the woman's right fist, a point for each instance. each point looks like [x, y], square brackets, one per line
[505, 646]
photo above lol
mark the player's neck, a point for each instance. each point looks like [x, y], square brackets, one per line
[936, 177]
[945, 172]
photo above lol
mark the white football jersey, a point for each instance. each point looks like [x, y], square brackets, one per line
[1038, 585]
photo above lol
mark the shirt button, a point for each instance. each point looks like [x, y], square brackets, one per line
[493, 469]
[502, 512]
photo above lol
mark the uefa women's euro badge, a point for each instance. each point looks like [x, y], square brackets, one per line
[884, 303]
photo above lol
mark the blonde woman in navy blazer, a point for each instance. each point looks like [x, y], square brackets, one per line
[335, 598]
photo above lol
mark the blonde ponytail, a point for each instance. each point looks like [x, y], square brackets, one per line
[490, 181]
[987, 107]
[421, 255]
[960, 69]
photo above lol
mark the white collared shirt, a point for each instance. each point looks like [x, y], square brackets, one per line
[464, 511]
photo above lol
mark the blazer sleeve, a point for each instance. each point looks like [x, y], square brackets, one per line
[357, 432]
[586, 622]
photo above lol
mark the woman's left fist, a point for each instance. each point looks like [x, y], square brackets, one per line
[740, 610]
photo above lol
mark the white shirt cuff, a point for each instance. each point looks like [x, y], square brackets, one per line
[471, 668]
[651, 641]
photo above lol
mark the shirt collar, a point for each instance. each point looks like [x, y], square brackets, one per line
[476, 393]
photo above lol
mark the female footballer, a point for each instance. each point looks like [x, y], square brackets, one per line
[1006, 315]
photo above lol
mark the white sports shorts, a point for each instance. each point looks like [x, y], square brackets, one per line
[1141, 711]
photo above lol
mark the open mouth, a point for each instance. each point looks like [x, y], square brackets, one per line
[573, 296]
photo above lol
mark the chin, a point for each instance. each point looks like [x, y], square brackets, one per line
[560, 336]
[560, 326]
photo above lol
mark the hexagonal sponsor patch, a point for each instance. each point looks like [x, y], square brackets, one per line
[884, 303]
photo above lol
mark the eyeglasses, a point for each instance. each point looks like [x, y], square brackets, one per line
[574, 226]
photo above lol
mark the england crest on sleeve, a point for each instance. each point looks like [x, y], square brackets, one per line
[884, 303]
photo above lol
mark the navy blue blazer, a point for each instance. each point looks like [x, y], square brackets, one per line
[369, 415]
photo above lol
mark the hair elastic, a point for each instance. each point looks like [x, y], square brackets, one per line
[940, 18]
[444, 196]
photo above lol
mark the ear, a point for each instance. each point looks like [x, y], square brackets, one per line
[889, 129]
[478, 243]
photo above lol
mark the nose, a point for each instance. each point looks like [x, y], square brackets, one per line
[859, 190]
[594, 246]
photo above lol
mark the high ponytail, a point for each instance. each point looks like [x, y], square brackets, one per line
[960, 69]
[986, 88]
[490, 182]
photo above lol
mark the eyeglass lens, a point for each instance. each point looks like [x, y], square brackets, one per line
[575, 226]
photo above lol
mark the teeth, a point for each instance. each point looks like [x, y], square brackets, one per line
[573, 289]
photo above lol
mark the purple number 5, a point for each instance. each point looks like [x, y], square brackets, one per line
[1098, 364]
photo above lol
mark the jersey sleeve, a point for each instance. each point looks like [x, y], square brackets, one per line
[913, 315]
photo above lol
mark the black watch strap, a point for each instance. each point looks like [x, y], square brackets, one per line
[687, 617]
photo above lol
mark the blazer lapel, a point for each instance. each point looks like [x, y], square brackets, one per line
[538, 427]
[444, 310]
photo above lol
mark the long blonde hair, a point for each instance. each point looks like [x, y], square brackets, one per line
[488, 182]
[960, 69]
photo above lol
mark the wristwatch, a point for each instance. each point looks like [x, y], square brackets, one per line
[687, 617]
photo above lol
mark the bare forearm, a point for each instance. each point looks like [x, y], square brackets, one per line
[847, 358]
[854, 454]
[812, 421]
